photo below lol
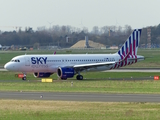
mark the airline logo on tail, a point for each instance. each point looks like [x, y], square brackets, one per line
[129, 48]
[131, 44]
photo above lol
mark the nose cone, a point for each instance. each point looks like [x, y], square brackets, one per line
[9, 66]
[6, 66]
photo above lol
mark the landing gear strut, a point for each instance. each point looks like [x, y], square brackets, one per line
[79, 77]
[24, 77]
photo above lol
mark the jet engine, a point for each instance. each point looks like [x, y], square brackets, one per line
[65, 72]
[42, 75]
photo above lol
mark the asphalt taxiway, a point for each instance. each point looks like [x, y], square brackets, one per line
[90, 97]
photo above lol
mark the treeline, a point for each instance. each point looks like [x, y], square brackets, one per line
[66, 36]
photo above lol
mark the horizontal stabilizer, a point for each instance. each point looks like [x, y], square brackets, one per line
[138, 58]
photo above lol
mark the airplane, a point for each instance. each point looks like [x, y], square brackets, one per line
[68, 65]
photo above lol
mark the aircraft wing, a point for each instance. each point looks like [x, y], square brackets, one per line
[91, 65]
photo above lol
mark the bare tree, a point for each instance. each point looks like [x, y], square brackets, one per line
[128, 29]
[95, 30]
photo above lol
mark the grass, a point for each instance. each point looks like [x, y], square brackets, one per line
[7, 75]
[105, 86]
[61, 110]
[95, 82]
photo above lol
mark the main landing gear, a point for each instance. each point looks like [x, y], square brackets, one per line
[79, 77]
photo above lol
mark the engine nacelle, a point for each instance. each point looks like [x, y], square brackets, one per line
[42, 75]
[65, 72]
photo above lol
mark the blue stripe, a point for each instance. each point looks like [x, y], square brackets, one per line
[140, 30]
[122, 50]
[119, 52]
[133, 41]
[129, 43]
[126, 46]
[137, 39]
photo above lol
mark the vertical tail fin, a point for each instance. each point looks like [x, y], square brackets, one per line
[130, 47]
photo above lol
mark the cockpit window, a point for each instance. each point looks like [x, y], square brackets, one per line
[15, 60]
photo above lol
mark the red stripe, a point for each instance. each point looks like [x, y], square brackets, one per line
[126, 57]
[118, 64]
[130, 52]
[131, 48]
[134, 47]
[115, 65]
[122, 58]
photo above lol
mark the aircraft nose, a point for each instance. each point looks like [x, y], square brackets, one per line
[10, 66]
[6, 66]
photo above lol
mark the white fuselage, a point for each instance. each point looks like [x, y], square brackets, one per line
[50, 63]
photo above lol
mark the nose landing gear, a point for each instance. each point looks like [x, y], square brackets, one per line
[24, 77]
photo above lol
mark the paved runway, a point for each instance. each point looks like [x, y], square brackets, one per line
[91, 97]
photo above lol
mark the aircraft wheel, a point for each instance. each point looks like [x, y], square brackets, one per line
[24, 78]
[79, 77]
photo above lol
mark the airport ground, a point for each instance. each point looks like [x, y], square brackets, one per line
[119, 84]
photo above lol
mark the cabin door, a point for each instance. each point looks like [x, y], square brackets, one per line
[27, 61]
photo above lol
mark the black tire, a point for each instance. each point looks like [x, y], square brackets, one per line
[24, 78]
[79, 77]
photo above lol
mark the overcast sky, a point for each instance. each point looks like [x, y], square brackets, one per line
[78, 13]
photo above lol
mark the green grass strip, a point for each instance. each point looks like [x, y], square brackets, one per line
[61, 110]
